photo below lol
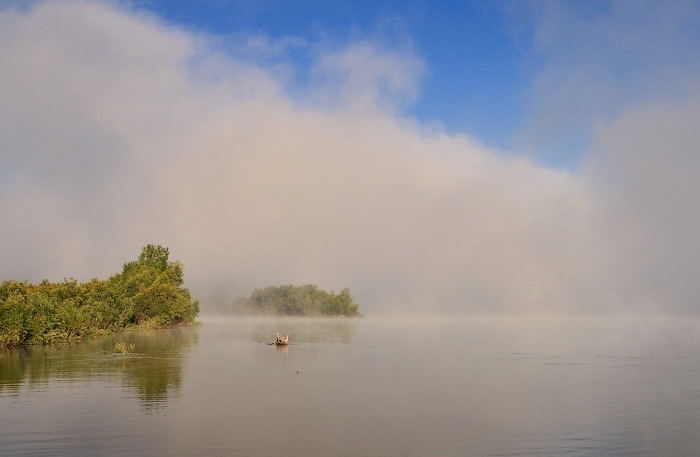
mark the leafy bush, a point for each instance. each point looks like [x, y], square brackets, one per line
[147, 293]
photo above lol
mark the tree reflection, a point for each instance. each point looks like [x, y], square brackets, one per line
[153, 371]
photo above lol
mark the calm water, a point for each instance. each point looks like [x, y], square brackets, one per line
[478, 387]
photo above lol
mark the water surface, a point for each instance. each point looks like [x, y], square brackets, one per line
[348, 387]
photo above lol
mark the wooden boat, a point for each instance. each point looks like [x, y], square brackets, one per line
[281, 341]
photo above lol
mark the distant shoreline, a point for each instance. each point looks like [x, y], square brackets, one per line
[305, 300]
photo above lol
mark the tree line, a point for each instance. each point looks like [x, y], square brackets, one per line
[148, 293]
[304, 300]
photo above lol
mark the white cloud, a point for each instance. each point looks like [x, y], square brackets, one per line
[591, 61]
[363, 76]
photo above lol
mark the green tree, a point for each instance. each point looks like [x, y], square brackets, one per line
[148, 292]
[304, 300]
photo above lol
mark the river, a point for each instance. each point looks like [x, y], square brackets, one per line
[390, 386]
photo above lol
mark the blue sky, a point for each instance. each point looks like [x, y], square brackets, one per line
[477, 54]
[530, 78]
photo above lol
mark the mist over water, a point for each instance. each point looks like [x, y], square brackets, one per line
[430, 386]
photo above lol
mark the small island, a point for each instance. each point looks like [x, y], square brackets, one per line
[304, 300]
[148, 293]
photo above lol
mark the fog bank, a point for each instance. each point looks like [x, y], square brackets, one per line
[117, 130]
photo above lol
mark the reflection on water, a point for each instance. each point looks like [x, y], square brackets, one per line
[347, 387]
[302, 330]
[153, 371]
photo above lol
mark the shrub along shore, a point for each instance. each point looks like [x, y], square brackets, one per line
[148, 293]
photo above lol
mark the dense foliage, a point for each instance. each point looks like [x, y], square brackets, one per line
[148, 293]
[305, 300]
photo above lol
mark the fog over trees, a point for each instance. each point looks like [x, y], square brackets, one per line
[289, 300]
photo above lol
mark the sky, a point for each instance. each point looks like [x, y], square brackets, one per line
[524, 158]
